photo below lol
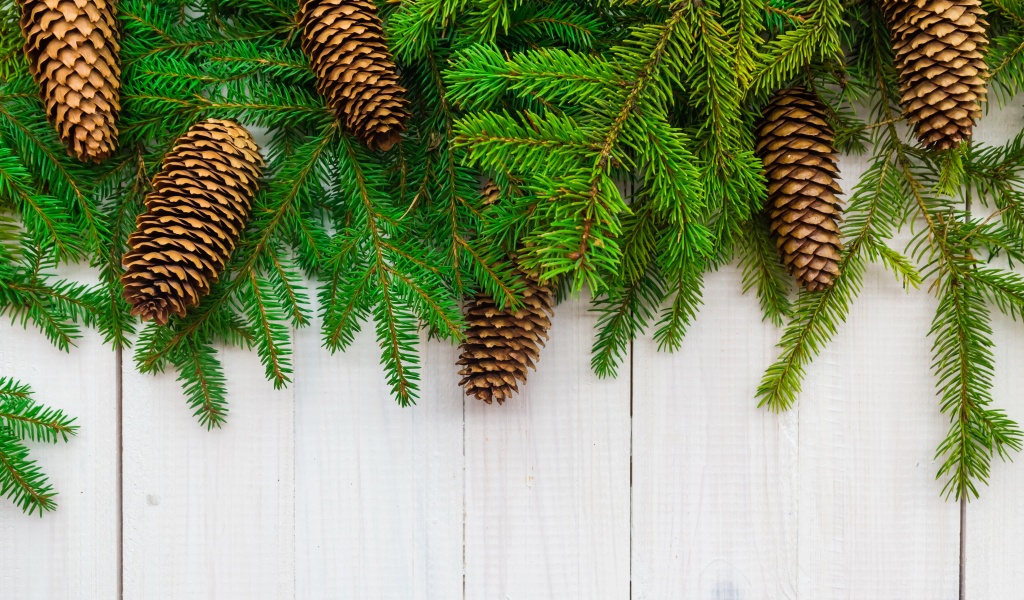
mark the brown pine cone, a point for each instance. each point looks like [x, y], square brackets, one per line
[940, 47]
[795, 143]
[491, 193]
[344, 41]
[501, 345]
[72, 49]
[199, 206]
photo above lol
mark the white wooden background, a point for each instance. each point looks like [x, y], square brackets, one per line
[666, 483]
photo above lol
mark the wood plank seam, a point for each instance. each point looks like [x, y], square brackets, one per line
[465, 507]
[632, 380]
[119, 400]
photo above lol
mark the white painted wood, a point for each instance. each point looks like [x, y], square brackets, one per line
[872, 524]
[208, 514]
[330, 490]
[379, 488]
[714, 478]
[547, 479]
[995, 521]
[871, 520]
[73, 552]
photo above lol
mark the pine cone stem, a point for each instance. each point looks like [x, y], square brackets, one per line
[940, 57]
[199, 206]
[794, 142]
[344, 40]
[72, 50]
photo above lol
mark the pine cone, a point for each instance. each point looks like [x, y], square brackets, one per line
[72, 49]
[199, 205]
[795, 143]
[491, 193]
[940, 47]
[344, 41]
[500, 345]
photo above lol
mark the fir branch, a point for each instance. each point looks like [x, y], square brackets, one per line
[964, 365]
[763, 270]
[623, 314]
[815, 36]
[816, 316]
[686, 282]
[1005, 56]
[734, 186]
[24, 419]
[202, 378]
[25, 130]
[375, 272]
[21, 479]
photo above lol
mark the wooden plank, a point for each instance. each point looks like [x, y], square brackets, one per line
[547, 479]
[714, 478]
[995, 522]
[72, 553]
[379, 488]
[208, 514]
[872, 523]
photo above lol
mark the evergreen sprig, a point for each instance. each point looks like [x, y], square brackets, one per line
[21, 419]
[620, 137]
[686, 80]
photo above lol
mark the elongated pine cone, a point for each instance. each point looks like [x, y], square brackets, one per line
[795, 143]
[940, 47]
[72, 49]
[200, 203]
[501, 345]
[344, 40]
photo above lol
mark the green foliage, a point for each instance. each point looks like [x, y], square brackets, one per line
[621, 137]
[21, 420]
[11, 63]
[1006, 54]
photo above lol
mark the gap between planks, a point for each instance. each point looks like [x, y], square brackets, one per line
[119, 400]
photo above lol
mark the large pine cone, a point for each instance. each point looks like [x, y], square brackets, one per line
[200, 203]
[72, 48]
[345, 43]
[501, 345]
[940, 47]
[795, 143]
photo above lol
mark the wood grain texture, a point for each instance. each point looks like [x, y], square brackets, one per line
[569, 491]
[714, 478]
[73, 552]
[872, 524]
[547, 479]
[208, 514]
[379, 488]
[995, 522]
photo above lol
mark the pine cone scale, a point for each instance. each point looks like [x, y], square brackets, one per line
[344, 41]
[199, 206]
[939, 48]
[72, 50]
[794, 141]
[502, 346]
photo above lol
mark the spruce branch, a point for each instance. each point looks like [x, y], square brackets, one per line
[874, 205]
[21, 479]
[763, 270]
[964, 364]
[1005, 57]
[734, 185]
[816, 35]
